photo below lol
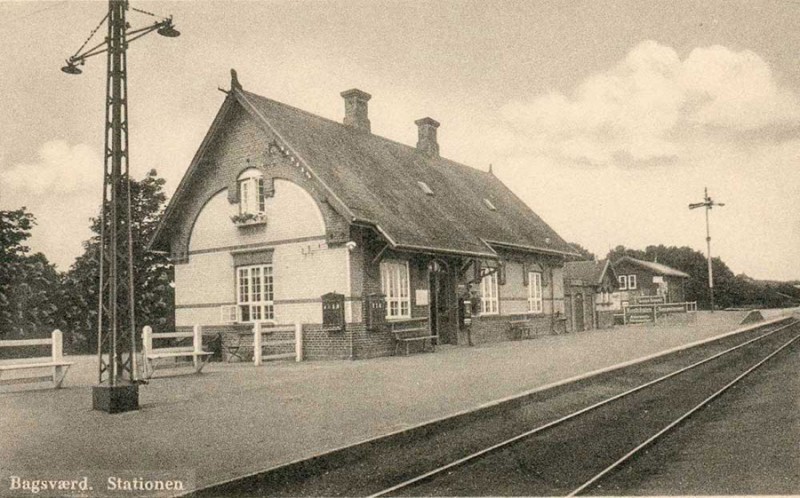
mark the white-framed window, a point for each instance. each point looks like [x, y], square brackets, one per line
[395, 285]
[535, 292]
[627, 282]
[254, 293]
[490, 301]
[228, 314]
[251, 192]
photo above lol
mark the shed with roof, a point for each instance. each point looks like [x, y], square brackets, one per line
[589, 286]
[637, 278]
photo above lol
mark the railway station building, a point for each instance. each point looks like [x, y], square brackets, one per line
[286, 217]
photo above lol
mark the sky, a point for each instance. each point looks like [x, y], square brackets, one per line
[606, 117]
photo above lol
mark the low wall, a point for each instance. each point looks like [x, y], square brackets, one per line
[497, 328]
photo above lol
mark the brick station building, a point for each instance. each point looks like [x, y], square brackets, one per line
[280, 207]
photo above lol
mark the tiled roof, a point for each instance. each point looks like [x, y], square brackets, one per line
[591, 272]
[377, 179]
[656, 268]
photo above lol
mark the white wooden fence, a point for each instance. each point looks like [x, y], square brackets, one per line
[259, 343]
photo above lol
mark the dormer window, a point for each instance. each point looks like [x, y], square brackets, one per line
[489, 204]
[251, 192]
[425, 188]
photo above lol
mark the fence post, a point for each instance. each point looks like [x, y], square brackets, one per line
[58, 357]
[197, 343]
[298, 341]
[257, 350]
[147, 348]
[147, 340]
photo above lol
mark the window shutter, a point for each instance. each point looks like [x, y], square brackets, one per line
[525, 279]
[501, 273]
[233, 191]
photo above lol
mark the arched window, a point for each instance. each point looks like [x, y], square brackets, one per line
[251, 192]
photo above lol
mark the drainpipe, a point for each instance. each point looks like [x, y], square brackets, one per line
[352, 357]
[552, 302]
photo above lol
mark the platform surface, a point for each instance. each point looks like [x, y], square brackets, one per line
[236, 419]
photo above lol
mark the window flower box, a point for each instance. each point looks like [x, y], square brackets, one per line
[249, 219]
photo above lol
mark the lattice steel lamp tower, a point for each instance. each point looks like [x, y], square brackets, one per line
[116, 322]
[708, 204]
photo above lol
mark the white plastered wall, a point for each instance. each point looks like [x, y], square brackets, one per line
[304, 267]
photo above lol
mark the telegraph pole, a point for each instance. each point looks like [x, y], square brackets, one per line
[116, 322]
[708, 203]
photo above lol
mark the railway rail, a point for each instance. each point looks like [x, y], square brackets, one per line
[580, 432]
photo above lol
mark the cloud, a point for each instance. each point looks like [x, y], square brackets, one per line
[736, 90]
[60, 169]
[62, 188]
[640, 111]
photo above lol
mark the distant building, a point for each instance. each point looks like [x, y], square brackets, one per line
[637, 278]
[589, 286]
[281, 207]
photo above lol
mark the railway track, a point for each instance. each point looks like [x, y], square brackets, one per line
[562, 441]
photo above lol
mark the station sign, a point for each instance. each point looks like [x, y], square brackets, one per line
[650, 300]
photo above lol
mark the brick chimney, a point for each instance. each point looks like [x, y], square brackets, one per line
[355, 109]
[426, 143]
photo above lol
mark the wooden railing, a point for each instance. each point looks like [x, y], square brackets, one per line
[644, 313]
[259, 343]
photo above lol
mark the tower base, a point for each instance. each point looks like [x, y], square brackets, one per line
[115, 399]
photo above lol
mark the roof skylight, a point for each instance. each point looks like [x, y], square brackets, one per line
[489, 204]
[425, 188]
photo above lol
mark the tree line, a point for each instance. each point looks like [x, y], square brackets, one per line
[36, 298]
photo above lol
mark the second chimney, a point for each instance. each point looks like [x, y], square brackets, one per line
[355, 109]
[426, 141]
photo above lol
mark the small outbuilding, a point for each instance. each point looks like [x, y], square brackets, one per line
[589, 286]
[637, 278]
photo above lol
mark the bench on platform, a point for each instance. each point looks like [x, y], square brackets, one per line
[194, 351]
[408, 332]
[522, 326]
[55, 362]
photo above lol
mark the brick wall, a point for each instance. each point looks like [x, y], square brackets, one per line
[571, 307]
[496, 328]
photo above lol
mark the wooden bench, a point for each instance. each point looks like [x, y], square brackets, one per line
[523, 327]
[55, 362]
[195, 350]
[407, 335]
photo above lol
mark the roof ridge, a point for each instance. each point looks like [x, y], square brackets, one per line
[370, 134]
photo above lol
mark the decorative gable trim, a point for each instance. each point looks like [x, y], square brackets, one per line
[198, 159]
[284, 146]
